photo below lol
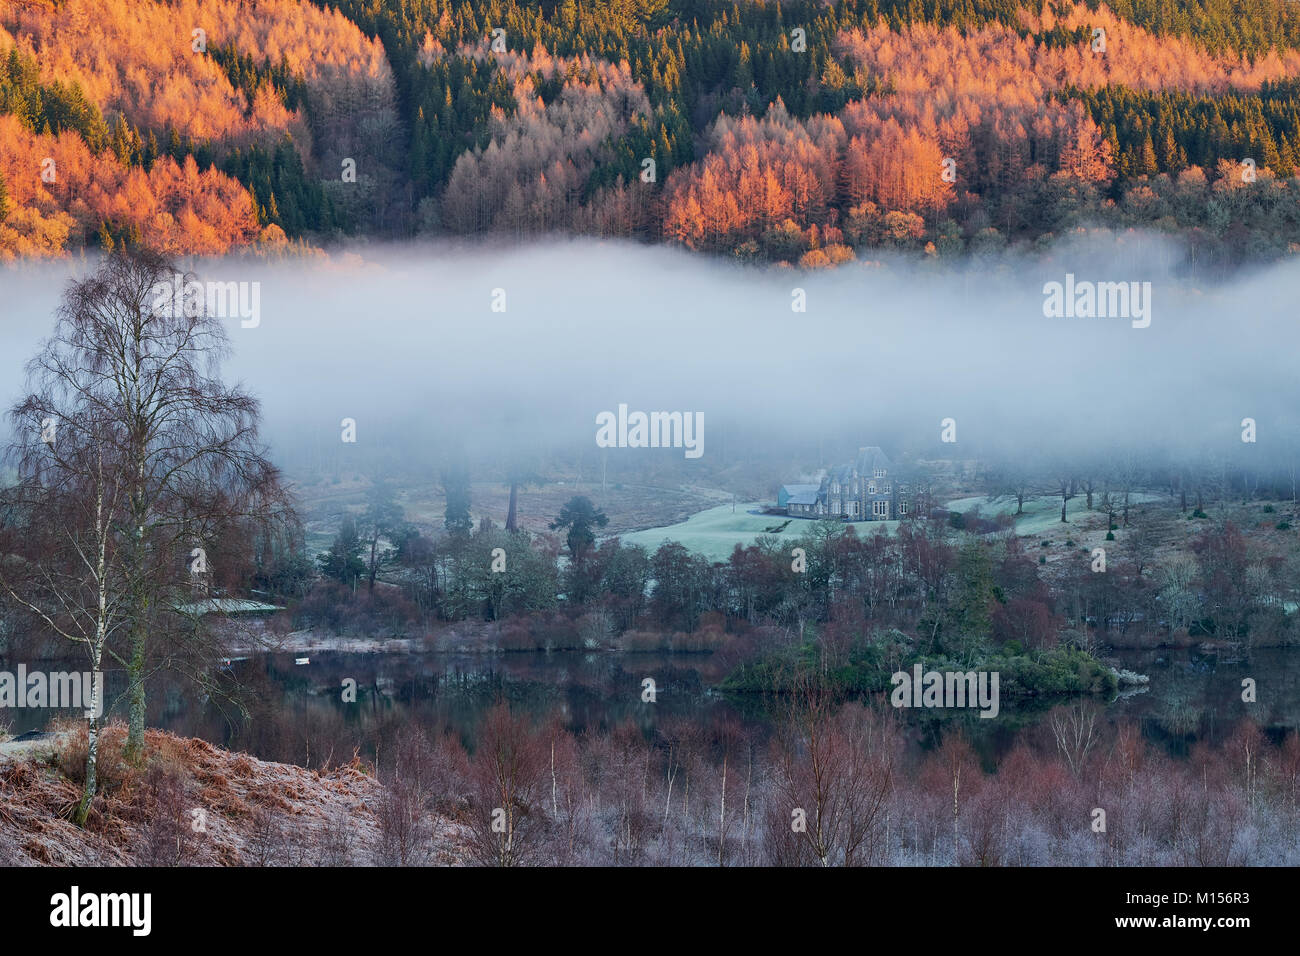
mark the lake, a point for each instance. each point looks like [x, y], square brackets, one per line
[1191, 697]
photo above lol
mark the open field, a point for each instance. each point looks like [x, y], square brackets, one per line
[1043, 515]
[715, 533]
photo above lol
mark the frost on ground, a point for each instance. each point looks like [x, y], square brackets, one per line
[190, 803]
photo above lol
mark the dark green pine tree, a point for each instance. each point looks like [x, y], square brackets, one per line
[663, 152]
[455, 486]
[1146, 158]
[259, 213]
[1168, 154]
[419, 154]
[343, 562]
[150, 153]
[1286, 157]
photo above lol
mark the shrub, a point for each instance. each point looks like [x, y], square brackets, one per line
[557, 634]
[644, 641]
[111, 769]
[702, 640]
[169, 837]
[515, 636]
[596, 628]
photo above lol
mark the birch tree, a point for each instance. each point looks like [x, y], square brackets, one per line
[60, 558]
[129, 386]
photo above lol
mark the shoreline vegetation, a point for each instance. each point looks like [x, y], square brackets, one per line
[678, 796]
[1057, 673]
[993, 613]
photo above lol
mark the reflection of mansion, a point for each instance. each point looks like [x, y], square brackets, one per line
[862, 491]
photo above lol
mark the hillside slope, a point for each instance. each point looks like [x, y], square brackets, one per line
[770, 131]
[193, 125]
[191, 804]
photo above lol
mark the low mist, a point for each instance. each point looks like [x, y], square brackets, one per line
[404, 340]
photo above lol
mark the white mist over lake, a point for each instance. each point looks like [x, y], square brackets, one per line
[403, 339]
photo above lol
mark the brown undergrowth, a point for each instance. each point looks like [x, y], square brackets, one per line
[187, 802]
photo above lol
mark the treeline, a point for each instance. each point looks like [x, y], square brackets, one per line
[816, 146]
[276, 125]
[826, 785]
[1168, 131]
[282, 192]
[789, 132]
[831, 785]
[945, 586]
[48, 108]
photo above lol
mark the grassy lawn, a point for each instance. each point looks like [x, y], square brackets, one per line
[715, 532]
[1042, 516]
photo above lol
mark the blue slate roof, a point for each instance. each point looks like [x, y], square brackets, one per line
[800, 494]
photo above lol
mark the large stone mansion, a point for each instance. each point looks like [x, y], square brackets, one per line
[862, 491]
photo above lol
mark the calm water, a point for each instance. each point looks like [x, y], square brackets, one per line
[1191, 696]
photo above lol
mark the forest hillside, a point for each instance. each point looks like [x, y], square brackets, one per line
[788, 132]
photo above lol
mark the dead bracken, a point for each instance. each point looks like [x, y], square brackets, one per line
[188, 802]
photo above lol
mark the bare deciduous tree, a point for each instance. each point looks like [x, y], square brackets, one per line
[833, 771]
[511, 783]
[1074, 727]
[130, 454]
[130, 383]
[59, 556]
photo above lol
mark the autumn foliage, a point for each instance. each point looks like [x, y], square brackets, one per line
[181, 208]
[892, 127]
[138, 65]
